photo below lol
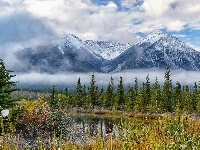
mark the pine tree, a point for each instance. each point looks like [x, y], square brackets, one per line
[130, 98]
[198, 98]
[84, 95]
[194, 97]
[154, 105]
[109, 95]
[167, 92]
[78, 98]
[140, 100]
[187, 100]
[136, 86]
[121, 96]
[54, 101]
[91, 92]
[177, 97]
[6, 87]
[101, 97]
[68, 97]
[147, 95]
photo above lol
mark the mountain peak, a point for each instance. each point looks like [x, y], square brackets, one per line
[152, 38]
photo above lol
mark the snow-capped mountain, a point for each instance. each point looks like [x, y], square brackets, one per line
[107, 50]
[157, 51]
[69, 53]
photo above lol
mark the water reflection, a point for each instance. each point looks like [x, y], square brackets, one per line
[97, 125]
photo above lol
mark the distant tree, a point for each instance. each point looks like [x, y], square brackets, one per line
[91, 92]
[101, 97]
[78, 97]
[167, 93]
[177, 97]
[140, 100]
[194, 97]
[130, 98]
[147, 88]
[187, 107]
[54, 101]
[121, 96]
[68, 97]
[109, 95]
[6, 87]
[154, 105]
[84, 95]
[136, 86]
[198, 98]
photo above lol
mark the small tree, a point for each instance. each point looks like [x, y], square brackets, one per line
[121, 96]
[109, 95]
[167, 93]
[6, 87]
[78, 98]
[92, 92]
[54, 101]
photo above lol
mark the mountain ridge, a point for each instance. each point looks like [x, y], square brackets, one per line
[69, 53]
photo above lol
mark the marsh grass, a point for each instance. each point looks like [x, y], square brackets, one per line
[138, 132]
[170, 132]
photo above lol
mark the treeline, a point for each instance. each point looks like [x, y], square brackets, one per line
[149, 97]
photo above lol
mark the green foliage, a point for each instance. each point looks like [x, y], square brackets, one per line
[187, 100]
[78, 97]
[6, 87]
[121, 96]
[92, 94]
[154, 105]
[166, 104]
[109, 95]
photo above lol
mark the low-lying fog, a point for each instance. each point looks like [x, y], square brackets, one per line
[102, 79]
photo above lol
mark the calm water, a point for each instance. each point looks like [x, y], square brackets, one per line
[81, 129]
[84, 127]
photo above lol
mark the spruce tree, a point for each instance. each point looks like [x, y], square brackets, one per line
[147, 95]
[198, 99]
[154, 105]
[54, 101]
[136, 86]
[187, 100]
[194, 97]
[121, 96]
[130, 100]
[167, 93]
[109, 95]
[91, 92]
[68, 97]
[78, 98]
[6, 87]
[101, 97]
[177, 97]
[84, 95]
[140, 100]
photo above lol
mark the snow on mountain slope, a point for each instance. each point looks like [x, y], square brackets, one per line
[69, 40]
[107, 50]
[104, 49]
[152, 38]
[158, 51]
[69, 53]
[72, 41]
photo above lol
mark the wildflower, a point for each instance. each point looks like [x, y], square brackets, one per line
[5, 113]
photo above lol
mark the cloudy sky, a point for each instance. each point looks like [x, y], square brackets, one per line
[30, 21]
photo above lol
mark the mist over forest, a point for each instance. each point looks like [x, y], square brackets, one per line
[45, 81]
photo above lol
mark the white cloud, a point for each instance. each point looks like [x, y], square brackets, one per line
[99, 22]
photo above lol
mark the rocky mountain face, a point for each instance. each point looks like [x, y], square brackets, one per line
[69, 53]
[157, 51]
